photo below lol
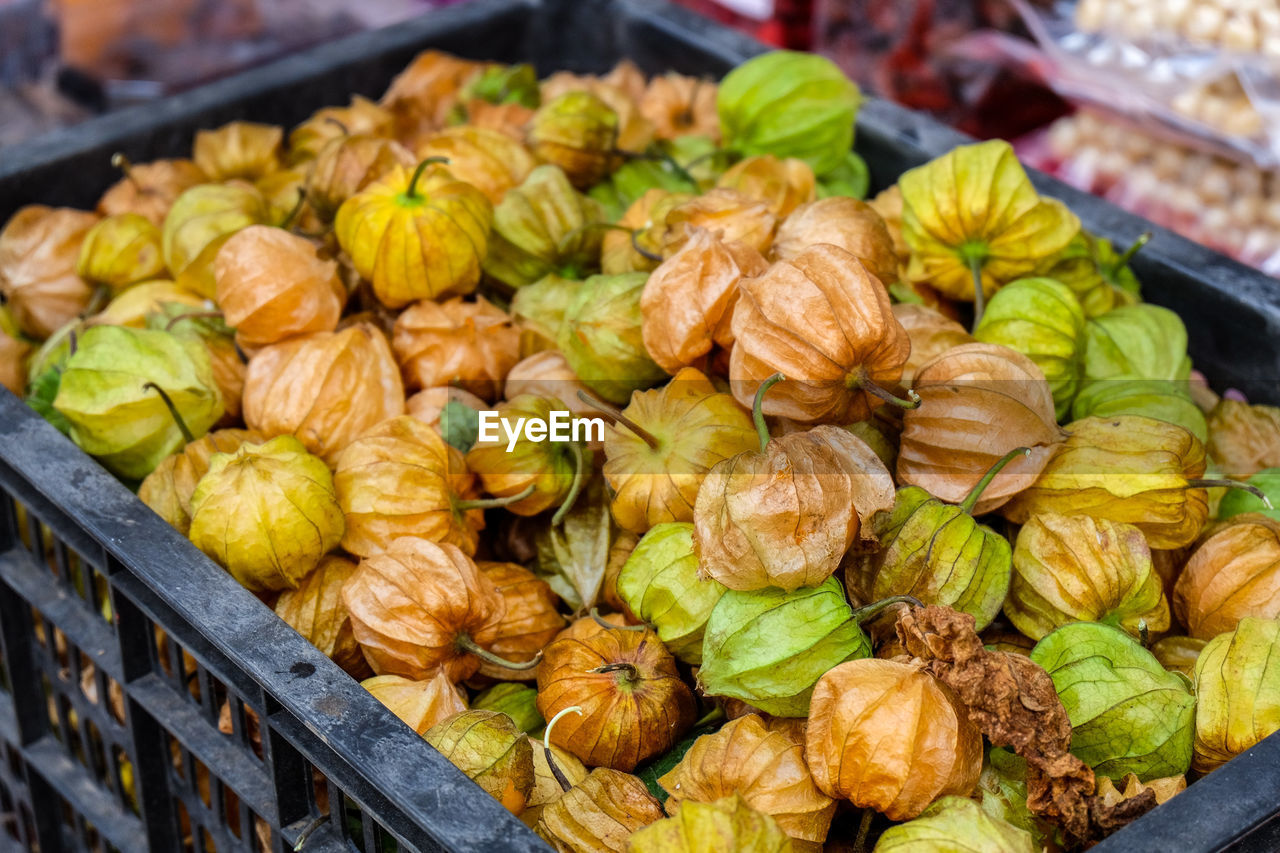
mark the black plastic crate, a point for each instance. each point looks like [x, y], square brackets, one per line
[111, 737]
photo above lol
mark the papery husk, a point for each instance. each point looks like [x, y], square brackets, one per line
[538, 310]
[519, 702]
[348, 164]
[765, 766]
[327, 388]
[272, 285]
[266, 513]
[134, 304]
[421, 96]
[548, 374]
[627, 718]
[1165, 788]
[646, 224]
[532, 619]
[677, 105]
[726, 824]
[1233, 573]
[121, 250]
[841, 221]
[508, 467]
[688, 300]
[824, 322]
[578, 132]
[489, 160]
[150, 189]
[888, 203]
[739, 218]
[697, 428]
[1162, 399]
[487, 747]
[1143, 340]
[1128, 469]
[229, 367]
[858, 749]
[1179, 654]
[239, 149]
[599, 814]
[635, 132]
[787, 515]
[508, 119]
[315, 610]
[200, 221]
[948, 442]
[39, 248]
[1237, 681]
[411, 603]
[931, 334]
[400, 478]
[602, 337]
[13, 357]
[168, 489]
[428, 404]
[469, 345]
[546, 788]
[419, 704]
[284, 193]
[1244, 439]
[954, 821]
[1074, 568]
[361, 116]
[781, 184]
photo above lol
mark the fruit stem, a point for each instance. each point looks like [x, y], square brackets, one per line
[613, 411]
[494, 503]
[121, 162]
[715, 715]
[632, 674]
[864, 830]
[971, 499]
[912, 401]
[412, 192]
[757, 409]
[1123, 261]
[173, 410]
[862, 614]
[979, 293]
[468, 645]
[297, 209]
[308, 830]
[561, 779]
[640, 250]
[579, 474]
[1232, 484]
[195, 315]
[595, 617]
[346, 131]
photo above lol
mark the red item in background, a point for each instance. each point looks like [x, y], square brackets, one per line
[786, 23]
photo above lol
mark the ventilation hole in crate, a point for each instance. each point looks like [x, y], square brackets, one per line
[93, 750]
[184, 823]
[126, 782]
[239, 721]
[51, 699]
[204, 782]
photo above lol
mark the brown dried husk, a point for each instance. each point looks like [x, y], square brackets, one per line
[420, 704]
[677, 105]
[841, 221]
[889, 205]
[39, 249]
[786, 516]
[348, 164]
[421, 96]
[13, 356]
[489, 160]
[508, 119]
[168, 489]
[1244, 439]
[315, 610]
[411, 603]
[948, 443]
[889, 736]
[229, 372]
[645, 224]
[272, 285]
[149, 189]
[361, 116]
[1233, 573]
[625, 720]
[428, 404]
[548, 374]
[239, 149]
[931, 332]
[326, 388]
[765, 766]
[1179, 654]
[532, 619]
[400, 478]
[688, 301]
[598, 814]
[782, 184]
[739, 218]
[471, 345]
[823, 321]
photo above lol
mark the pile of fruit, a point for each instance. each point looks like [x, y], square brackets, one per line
[909, 525]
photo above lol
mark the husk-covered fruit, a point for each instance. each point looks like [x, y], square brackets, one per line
[785, 516]
[678, 105]
[1143, 340]
[39, 247]
[1233, 573]
[421, 96]
[168, 489]
[1074, 568]
[841, 221]
[1097, 274]
[578, 132]
[1244, 439]
[150, 189]
[859, 749]
[1129, 469]
[121, 250]
[620, 92]
[639, 247]
[489, 160]
[416, 234]
[399, 478]
[546, 787]
[931, 334]
[532, 619]
[659, 583]
[1237, 680]
[315, 610]
[489, 748]
[781, 184]
[419, 704]
[789, 104]
[417, 607]
[108, 395]
[547, 374]
[14, 350]
[1162, 399]
[429, 404]
[212, 333]
[519, 702]
[326, 388]
[951, 822]
[693, 428]
[510, 463]
[708, 827]
[538, 311]
[271, 285]
[602, 337]
[739, 218]
[598, 814]
[360, 116]
[634, 704]
[239, 149]
[1179, 654]
[1043, 320]
[824, 322]
[347, 164]
[1128, 713]
[200, 221]
[768, 647]
[762, 763]
[134, 304]
[469, 345]
[544, 226]
[1237, 501]
[266, 513]
[688, 301]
